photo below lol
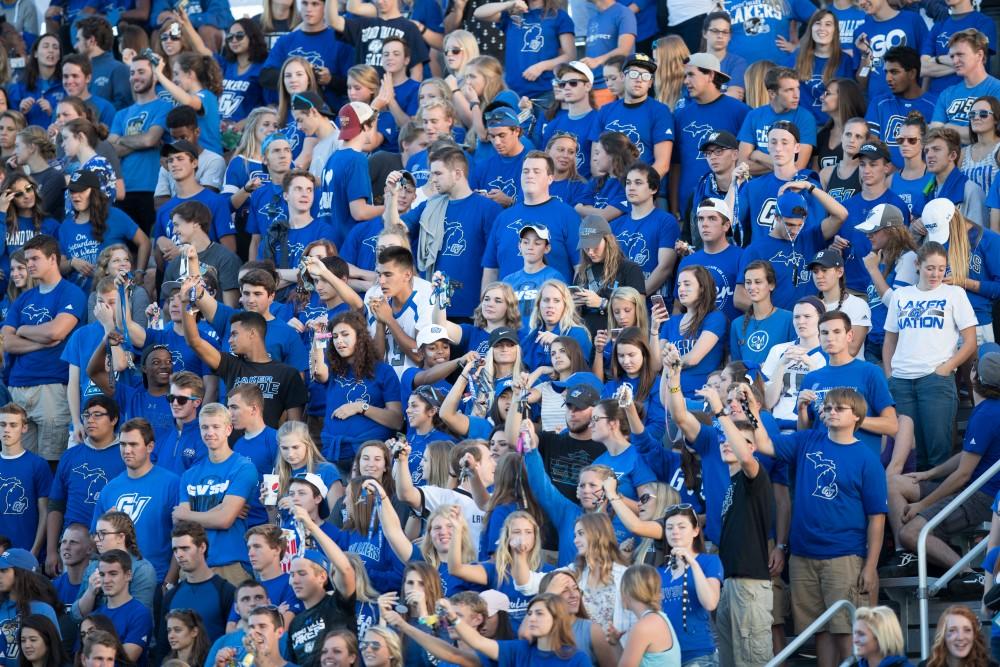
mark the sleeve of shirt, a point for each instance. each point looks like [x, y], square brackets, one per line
[786, 445]
[941, 108]
[490, 259]
[564, 24]
[663, 125]
[42, 478]
[626, 23]
[222, 219]
[746, 133]
[965, 316]
[892, 313]
[735, 350]
[711, 565]
[244, 481]
[74, 302]
[879, 394]
[875, 493]
[871, 115]
[549, 498]
[359, 185]
[641, 473]
[139, 629]
[979, 434]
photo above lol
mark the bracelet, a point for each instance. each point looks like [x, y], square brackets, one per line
[675, 390]
[812, 186]
[423, 30]
[719, 413]
[611, 500]
[474, 103]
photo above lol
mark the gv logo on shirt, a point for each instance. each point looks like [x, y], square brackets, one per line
[534, 41]
[15, 501]
[766, 216]
[134, 125]
[892, 129]
[454, 239]
[826, 476]
[132, 504]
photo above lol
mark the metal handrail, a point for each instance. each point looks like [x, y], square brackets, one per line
[813, 628]
[957, 568]
[922, 591]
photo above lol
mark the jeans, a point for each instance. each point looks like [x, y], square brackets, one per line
[931, 402]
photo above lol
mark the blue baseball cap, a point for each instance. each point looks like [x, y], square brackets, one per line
[502, 116]
[501, 386]
[582, 377]
[317, 557]
[792, 205]
[16, 557]
[270, 139]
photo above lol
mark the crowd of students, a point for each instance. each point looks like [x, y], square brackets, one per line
[415, 333]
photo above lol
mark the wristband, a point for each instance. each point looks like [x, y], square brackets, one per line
[811, 188]
[719, 413]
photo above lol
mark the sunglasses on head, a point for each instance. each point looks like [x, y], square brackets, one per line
[678, 509]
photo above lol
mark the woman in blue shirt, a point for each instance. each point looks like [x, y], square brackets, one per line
[198, 85]
[633, 364]
[692, 581]
[567, 184]
[425, 425]
[819, 60]
[610, 158]
[296, 76]
[37, 94]
[21, 595]
[554, 315]
[909, 181]
[699, 333]
[362, 394]
[22, 215]
[242, 59]
[765, 325]
[246, 171]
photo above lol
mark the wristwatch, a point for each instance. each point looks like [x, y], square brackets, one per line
[364, 407]
[783, 547]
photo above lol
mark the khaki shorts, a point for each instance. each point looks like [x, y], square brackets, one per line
[781, 607]
[743, 622]
[817, 584]
[48, 418]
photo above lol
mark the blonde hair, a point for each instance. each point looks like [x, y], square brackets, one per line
[284, 97]
[444, 92]
[267, 21]
[470, 47]
[958, 248]
[392, 642]
[215, 410]
[754, 87]
[670, 56]
[570, 318]
[36, 136]
[491, 70]
[638, 302]
[642, 583]
[505, 558]
[430, 554]
[489, 370]
[512, 318]
[884, 625]
[367, 76]
[666, 496]
[298, 431]
[104, 260]
[363, 587]
[249, 146]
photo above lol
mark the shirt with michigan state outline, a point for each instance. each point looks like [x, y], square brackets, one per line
[606, 192]
[77, 241]
[79, 348]
[955, 102]
[24, 479]
[758, 123]
[241, 91]
[584, 128]
[141, 167]
[865, 378]
[837, 488]
[345, 179]
[757, 24]
[36, 307]
[724, 268]
[642, 239]
[81, 476]
[645, 123]
[788, 258]
[361, 242]
[526, 286]
[418, 445]
[904, 29]
[499, 172]
[294, 242]
[377, 391]
[503, 246]
[533, 37]
[149, 501]
[885, 118]
[467, 224]
[941, 33]
[206, 486]
[694, 122]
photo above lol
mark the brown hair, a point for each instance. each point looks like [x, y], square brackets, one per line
[705, 303]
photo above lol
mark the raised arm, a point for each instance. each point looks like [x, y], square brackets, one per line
[449, 413]
[671, 396]
[205, 350]
[471, 572]
[629, 519]
[343, 572]
[405, 490]
[391, 527]
[737, 441]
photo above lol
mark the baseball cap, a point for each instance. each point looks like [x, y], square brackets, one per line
[317, 557]
[579, 378]
[179, 146]
[495, 601]
[828, 259]
[16, 557]
[642, 61]
[310, 100]
[874, 149]
[169, 286]
[84, 180]
[503, 333]
[505, 98]
[351, 117]
[430, 334]
[502, 386]
[882, 216]
[541, 230]
[502, 116]
[592, 230]
[722, 139]
[582, 396]
[792, 205]
[578, 67]
[706, 61]
[717, 205]
[988, 368]
[270, 139]
[936, 217]
[320, 485]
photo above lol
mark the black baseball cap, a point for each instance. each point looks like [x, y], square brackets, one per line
[310, 100]
[722, 139]
[180, 146]
[874, 149]
[84, 180]
[828, 259]
[503, 333]
[582, 396]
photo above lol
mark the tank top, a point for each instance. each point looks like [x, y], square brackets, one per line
[581, 633]
[826, 156]
[843, 189]
[669, 658]
[981, 172]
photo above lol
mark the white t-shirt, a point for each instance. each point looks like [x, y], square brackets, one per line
[417, 313]
[791, 381]
[857, 309]
[553, 408]
[322, 151]
[928, 324]
[435, 497]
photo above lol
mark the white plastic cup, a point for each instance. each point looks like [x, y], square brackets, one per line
[271, 486]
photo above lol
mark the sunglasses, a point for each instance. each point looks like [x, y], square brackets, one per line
[835, 408]
[455, 50]
[636, 74]
[645, 498]
[168, 37]
[570, 83]
[910, 141]
[235, 36]
[365, 644]
[981, 114]
[181, 400]
[27, 189]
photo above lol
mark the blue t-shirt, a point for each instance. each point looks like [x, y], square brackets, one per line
[865, 378]
[757, 203]
[858, 209]
[630, 470]
[941, 33]
[955, 102]
[241, 92]
[518, 601]
[149, 501]
[50, 90]
[751, 340]
[340, 434]
[345, 179]
[756, 24]
[81, 475]
[24, 479]
[736, 67]
[361, 242]
[321, 49]
[185, 358]
[603, 31]
[983, 438]
[140, 168]
[295, 242]
[467, 224]
[584, 127]
[837, 488]
[911, 191]
[266, 205]
[516, 652]
[10, 621]
[848, 20]
[262, 450]
[885, 118]
[209, 122]
[179, 451]
[692, 622]
[811, 92]
[34, 307]
[24, 233]
[529, 40]
[222, 216]
[607, 193]
[493, 171]
[79, 348]
[205, 486]
[133, 621]
[134, 400]
[645, 123]
[503, 245]
[725, 270]
[642, 240]
[569, 191]
[282, 342]
[77, 241]
[758, 123]
[526, 286]
[904, 29]
[694, 377]
[787, 258]
[693, 123]
[204, 598]
[984, 266]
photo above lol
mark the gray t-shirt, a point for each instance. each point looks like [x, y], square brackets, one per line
[225, 261]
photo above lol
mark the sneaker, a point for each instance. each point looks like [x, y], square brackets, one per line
[902, 564]
[968, 586]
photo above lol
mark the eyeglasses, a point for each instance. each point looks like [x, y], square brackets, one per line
[717, 32]
[571, 83]
[365, 644]
[169, 37]
[645, 498]
[455, 50]
[102, 534]
[981, 114]
[595, 419]
[181, 400]
[835, 408]
[910, 141]
[636, 74]
[27, 189]
[87, 416]
[235, 36]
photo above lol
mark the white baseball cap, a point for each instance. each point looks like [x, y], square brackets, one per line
[717, 205]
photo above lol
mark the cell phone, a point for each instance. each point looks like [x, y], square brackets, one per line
[575, 289]
[615, 333]
[657, 300]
